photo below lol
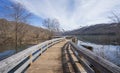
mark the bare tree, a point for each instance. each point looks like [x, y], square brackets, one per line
[3, 31]
[37, 36]
[19, 15]
[115, 18]
[22, 30]
[52, 25]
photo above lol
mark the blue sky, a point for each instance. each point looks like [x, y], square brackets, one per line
[3, 11]
[72, 14]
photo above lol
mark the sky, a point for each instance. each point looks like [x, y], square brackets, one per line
[71, 14]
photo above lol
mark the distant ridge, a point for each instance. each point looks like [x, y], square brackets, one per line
[98, 29]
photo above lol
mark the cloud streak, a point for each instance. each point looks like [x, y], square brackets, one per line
[71, 13]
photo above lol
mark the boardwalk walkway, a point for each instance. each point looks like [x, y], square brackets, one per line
[49, 61]
[59, 58]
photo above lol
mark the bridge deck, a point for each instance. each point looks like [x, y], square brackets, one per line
[49, 61]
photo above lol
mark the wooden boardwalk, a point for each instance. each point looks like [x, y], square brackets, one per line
[50, 61]
[57, 57]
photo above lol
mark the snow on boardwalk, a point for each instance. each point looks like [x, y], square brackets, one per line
[49, 61]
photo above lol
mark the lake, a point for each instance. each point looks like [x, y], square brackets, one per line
[108, 52]
[8, 51]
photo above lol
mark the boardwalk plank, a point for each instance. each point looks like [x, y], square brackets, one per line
[49, 61]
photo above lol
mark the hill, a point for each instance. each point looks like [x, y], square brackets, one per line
[99, 33]
[27, 34]
[98, 29]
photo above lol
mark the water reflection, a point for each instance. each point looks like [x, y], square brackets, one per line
[8, 51]
[109, 52]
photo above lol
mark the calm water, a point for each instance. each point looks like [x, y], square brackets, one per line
[8, 51]
[109, 52]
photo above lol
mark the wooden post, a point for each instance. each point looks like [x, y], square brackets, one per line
[75, 40]
[30, 57]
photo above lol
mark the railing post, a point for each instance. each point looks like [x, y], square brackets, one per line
[30, 57]
[75, 40]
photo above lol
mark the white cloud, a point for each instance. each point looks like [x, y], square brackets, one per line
[71, 13]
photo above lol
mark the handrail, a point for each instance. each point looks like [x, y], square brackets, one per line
[19, 62]
[98, 64]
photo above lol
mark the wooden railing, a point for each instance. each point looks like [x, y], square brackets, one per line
[19, 62]
[89, 61]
